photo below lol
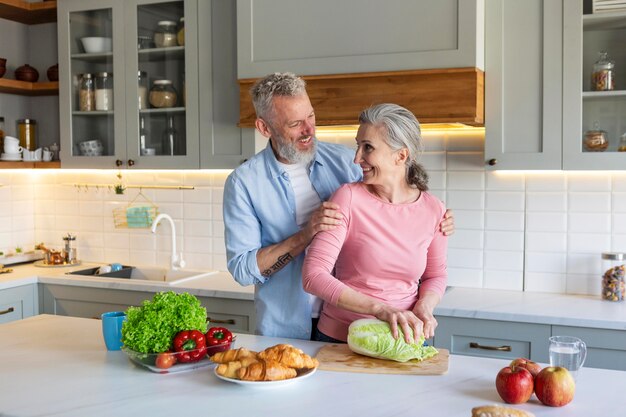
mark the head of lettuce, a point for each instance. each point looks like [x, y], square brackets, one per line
[372, 337]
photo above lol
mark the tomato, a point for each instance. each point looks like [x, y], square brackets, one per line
[165, 360]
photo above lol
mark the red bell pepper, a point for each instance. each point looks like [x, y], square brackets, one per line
[189, 345]
[218, 336]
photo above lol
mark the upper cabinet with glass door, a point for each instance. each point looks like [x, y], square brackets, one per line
[594, 87]
[129, 97]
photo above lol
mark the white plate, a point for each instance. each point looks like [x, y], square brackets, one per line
[4, 157]
[267, 384]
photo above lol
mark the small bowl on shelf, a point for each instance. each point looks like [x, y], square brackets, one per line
[53, 73]
[91, 148]
[26, 73]
[3, 66]
[96, 44]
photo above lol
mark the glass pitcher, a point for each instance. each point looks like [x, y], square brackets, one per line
[569, 352]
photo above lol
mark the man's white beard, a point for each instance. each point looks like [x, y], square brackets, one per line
[289, 151]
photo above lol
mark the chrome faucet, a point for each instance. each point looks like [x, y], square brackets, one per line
[176, 260]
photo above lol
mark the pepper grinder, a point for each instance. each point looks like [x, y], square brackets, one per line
[70, 250]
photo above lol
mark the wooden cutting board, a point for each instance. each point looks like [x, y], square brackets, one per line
[339, 357]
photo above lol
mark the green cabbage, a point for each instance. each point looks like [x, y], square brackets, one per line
[372, 337]
[151, 327]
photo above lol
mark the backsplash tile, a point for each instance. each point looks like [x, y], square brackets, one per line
[531, 231]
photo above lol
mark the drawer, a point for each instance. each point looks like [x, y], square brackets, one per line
[234, 322]
[605, 348]
[17, 303]
[493, 338]
[11, 311]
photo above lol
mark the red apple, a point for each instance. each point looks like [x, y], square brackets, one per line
[555, 386]
[530, 366]
[514, 384]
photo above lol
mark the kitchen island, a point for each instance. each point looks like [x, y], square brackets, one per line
[58, 366]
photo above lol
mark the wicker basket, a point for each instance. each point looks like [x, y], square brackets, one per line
[136, 215]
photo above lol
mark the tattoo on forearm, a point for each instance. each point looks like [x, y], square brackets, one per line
[280, 263]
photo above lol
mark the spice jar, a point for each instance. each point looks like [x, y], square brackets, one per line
[163, 94]
[104, 91]
[86, 93]
[603, 76]
[165, 35]
[180, 36]
[27, 133]
[596, 140]
[613, 278]
[142, 92]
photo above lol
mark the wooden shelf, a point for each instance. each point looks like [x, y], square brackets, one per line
[29, 164]
[24, 88]
[28, 13]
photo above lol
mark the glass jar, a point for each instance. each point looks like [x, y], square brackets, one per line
[169, 139]
[596, 140]
[180, 35]
[86, 93]
[622, 143]
[142, 92]
[27, 133]
[165, 35]
[603, 75]
[104, 91]
[613, 277]
[144, 42]
[163, 94]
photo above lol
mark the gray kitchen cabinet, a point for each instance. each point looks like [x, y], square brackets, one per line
[222, 143]
[135, 128]
[18, 303]
[585, 35]
[64, 300]
[493, 338]
[353, 36]
[523, 89]
[605, 348]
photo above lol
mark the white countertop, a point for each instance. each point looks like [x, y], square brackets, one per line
[59, 366]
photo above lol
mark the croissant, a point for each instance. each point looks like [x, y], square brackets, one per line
[289, 356]
[232, 355]
[266, 371]
[229, 370]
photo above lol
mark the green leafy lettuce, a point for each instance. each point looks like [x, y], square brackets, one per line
[151, 327]
[372, 337]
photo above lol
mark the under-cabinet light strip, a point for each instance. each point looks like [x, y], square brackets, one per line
[112, 186]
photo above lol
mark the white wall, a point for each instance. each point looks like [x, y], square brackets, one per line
[515, 230]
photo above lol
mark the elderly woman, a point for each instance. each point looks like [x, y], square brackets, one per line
[387, 258]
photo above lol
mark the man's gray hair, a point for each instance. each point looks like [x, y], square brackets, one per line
[276, 84]
[402, 131]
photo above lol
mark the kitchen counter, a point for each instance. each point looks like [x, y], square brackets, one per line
[59, 366]
[517, 306]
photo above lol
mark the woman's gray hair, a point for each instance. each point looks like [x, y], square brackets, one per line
[276, 84]
[402, 131]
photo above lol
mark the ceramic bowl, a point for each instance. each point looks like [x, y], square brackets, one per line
[96, 44]
[53, 73]
[91, 148]
[3, 66]
[26, 73]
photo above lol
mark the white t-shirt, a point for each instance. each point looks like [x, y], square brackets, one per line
[307, 201]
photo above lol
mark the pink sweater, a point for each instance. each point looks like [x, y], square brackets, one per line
[381, 250]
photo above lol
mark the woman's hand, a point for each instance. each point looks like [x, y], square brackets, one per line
[405, 319]
[423, 310]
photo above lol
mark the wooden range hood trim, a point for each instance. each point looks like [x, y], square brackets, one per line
[450, 95]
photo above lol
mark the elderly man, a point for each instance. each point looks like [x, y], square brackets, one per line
[275, 203]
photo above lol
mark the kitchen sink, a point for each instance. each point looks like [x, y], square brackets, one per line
[147, 273]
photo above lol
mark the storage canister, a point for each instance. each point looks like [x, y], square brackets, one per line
[163, 94]
[603, 75]
[27, 133]
[104, 91]
[142, 79]
[86, 93]
[165, 34]
[613, 278]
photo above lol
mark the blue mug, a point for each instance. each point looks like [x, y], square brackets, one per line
[116, 267]
[112, 329]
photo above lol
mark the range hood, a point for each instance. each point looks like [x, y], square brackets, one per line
[450, 95]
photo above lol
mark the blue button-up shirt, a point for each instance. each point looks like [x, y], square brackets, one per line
[259, 211]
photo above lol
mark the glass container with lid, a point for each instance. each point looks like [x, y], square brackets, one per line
[86, 93]
[163, 94]
[142, 80]
[104, 91]
[27, 133]
[613, 278]
[596, 140]
[165, 34]
[603, 74]
[180, 35]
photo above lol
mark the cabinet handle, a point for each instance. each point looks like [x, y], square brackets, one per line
[228, 321]
[7, 311]
[118, 163]
[504, 348]
[131, 162]
[492, 161]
